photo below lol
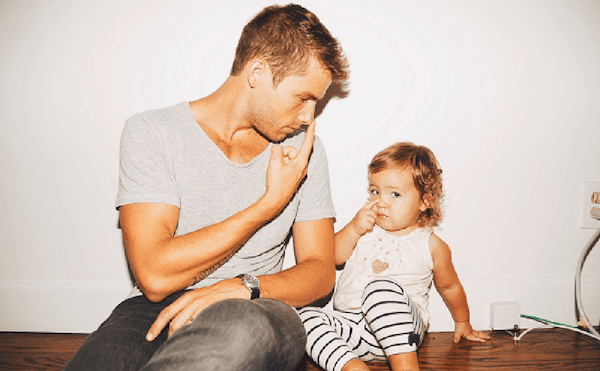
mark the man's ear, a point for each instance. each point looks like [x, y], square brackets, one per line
[258, 69]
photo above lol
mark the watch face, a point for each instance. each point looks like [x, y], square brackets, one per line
[251, 280]
[253, 284]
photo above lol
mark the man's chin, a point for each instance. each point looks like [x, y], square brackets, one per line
[273, 137]
[280, 137]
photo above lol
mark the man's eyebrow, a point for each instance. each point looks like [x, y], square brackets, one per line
[309, 96]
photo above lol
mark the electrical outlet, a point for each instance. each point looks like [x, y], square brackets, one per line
[505, 315]
[590, 194]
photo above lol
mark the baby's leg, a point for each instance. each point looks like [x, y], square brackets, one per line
[393, 318]
[404, 362]
[355, 365]
[327, 338]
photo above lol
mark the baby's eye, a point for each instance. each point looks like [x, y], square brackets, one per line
[373, 192]
[395, 194]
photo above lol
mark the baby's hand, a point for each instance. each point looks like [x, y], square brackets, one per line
[464, 329]
[364, 220]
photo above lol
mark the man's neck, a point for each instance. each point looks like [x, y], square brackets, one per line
[222, 116]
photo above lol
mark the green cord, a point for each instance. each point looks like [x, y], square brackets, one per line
[546, 321]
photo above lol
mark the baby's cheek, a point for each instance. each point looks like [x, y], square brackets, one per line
[381, 223]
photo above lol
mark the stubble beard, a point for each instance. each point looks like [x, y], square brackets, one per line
[264, 125]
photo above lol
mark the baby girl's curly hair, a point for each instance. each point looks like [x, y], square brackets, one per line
[426, 172]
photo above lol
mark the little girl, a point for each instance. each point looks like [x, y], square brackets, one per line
[391, 256]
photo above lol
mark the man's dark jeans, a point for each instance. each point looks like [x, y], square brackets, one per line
[230, 335]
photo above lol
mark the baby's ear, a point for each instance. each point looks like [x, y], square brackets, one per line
[425, 202]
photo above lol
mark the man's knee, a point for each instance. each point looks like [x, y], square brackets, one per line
[259, 331]
[241, 323]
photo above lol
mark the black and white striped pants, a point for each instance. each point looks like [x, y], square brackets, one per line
[389, 323]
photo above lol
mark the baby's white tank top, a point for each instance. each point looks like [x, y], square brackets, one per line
[407, 259]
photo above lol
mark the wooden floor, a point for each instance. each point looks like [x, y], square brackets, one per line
[552, 349]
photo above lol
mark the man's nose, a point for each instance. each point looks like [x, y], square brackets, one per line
[307, 114]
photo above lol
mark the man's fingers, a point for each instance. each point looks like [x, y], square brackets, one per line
[309, 140]
[165, 317]
[178, 323]
[187, 318]
[184, 317]
[276, 152]
[159, 324]
[156, 328]
[289, 153]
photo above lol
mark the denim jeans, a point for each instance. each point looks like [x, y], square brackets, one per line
[230, 335]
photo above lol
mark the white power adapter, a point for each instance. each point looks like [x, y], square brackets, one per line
[505, 315]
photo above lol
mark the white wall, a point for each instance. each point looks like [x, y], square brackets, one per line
[505, 92]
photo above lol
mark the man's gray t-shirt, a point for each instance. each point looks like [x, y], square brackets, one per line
[167, 158]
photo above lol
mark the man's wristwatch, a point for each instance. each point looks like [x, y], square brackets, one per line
[252, 283]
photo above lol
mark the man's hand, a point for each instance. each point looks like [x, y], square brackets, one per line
[364, 220]
[183, 310]
[287, 168]
[464, 329]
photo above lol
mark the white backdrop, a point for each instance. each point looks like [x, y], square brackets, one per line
[504, 92]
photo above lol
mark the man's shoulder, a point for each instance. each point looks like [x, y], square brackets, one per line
[163, 114]
[162, 121]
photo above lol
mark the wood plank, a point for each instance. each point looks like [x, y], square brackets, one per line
[35, 351]
[547, 349]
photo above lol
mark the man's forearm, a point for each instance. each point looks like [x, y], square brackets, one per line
[163, 265]
[313, 276]
[301, 284]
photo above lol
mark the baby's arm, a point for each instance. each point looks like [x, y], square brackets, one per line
[451, 290]
[346, 239]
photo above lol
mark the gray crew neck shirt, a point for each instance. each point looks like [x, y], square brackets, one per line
[167, 158]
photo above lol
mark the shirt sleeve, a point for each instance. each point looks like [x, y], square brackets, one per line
[316, 202]
[145, 173]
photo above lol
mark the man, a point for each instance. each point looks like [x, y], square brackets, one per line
[209, 194]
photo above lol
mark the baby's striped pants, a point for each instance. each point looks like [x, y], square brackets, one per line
[388, 323]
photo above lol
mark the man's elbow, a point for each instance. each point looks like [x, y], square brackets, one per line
[153, 289]
[154, 297]
[327, 284]
[331, 281]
